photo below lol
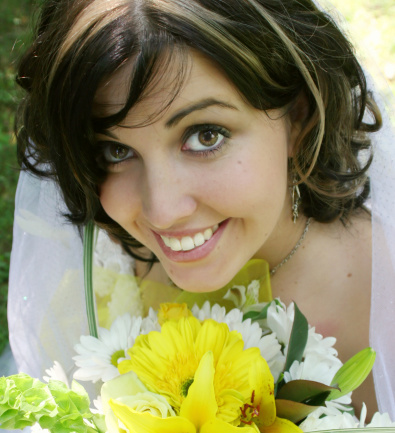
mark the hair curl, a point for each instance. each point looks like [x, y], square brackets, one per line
[274, 52]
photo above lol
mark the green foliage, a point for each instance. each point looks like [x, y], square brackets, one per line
[26, 401]
[353, 373]
[370, 25]
[297, 340]
[14, 32]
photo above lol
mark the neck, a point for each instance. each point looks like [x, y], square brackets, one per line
[282, 240]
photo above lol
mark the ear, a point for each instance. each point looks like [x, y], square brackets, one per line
[297, 115]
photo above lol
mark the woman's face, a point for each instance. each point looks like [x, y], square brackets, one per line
[205, 185]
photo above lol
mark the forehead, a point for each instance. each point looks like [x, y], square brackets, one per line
[201, 79]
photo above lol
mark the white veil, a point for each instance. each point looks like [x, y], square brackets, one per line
[46, 305]
[382, 320]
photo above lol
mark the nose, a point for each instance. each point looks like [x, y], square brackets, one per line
[167, 194]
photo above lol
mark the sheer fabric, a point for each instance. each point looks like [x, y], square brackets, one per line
[46, 305]
[382, 320]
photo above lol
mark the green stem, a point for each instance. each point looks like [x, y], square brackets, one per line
[89, 295]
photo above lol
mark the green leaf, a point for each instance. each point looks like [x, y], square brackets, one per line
[257, 315]
[298, 339]
[260, 315]
[305, 391]
[353, 373]
[292, 410]
[279, 384]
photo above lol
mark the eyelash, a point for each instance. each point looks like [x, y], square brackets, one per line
[104, 146]
[206, 128]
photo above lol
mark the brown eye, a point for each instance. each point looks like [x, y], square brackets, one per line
[114, 152]
[118, 152]
[208, 138]
[205, 138]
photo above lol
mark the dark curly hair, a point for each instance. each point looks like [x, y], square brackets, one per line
[273, 51]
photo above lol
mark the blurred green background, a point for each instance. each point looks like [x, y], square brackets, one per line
[14, 33]
[370, 22]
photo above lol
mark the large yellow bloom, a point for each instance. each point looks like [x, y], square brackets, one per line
[197, 413]
[206, 376]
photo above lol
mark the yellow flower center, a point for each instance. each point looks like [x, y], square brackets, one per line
[178, 377]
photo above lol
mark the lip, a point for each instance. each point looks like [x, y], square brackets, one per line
[197, 253]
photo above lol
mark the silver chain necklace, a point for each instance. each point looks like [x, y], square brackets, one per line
[294, 249]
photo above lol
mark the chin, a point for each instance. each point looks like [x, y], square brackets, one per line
[201, 288]
[200, 281]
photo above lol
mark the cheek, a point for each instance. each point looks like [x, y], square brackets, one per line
[118, 198]
[247, 183]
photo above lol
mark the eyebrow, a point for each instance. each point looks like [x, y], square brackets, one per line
[201, 105]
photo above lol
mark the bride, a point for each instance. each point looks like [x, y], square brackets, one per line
[199, 135]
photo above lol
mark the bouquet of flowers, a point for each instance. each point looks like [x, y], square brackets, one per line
[197, 370]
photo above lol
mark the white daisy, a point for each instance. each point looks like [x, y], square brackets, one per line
[216, 312]
[280, 321]
[150, 323]
[314, 367]
[328, 419]
[331, 418]
[318, 344]
[98, 358]
[110, 255]
[251, 333]
[56, 372]
[319, 368]
[378, 419]
[98, 405]
[381, 420]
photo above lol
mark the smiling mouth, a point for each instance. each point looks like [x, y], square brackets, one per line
[188, 243]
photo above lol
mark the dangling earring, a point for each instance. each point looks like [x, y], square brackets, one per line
[295, 194]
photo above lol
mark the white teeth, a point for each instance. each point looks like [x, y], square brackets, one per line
[188, 243]
[207, 234]
[166, 240]
[175, 244]
[198, 239]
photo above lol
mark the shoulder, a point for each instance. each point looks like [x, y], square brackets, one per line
[334, 254]
[343, 256]
[330, 279]
[348, 245]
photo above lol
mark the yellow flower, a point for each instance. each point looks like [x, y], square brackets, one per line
[206, 376]
[169, 311]
[197, 412]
